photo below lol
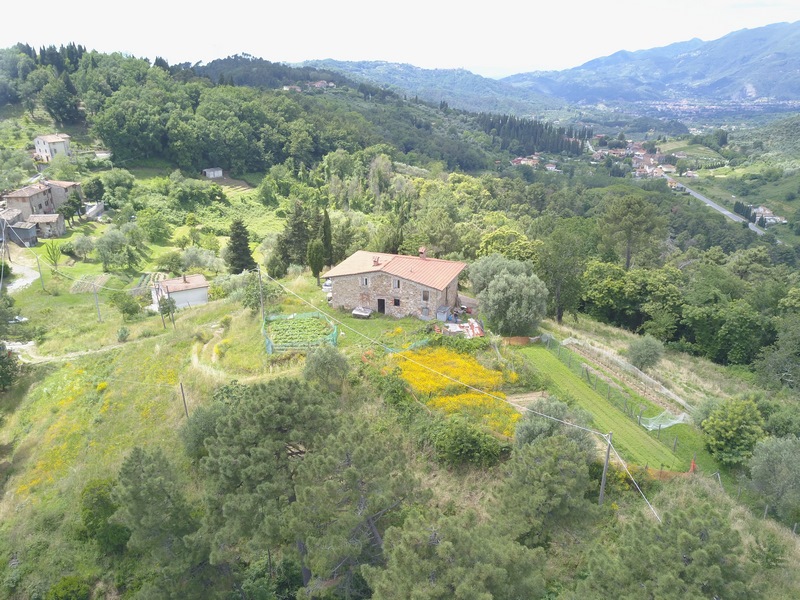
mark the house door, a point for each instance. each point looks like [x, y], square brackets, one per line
[381, 306]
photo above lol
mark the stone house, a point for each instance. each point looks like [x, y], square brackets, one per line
[48, 146]
[14, 229]
[48, 226]
[34, 199]
[394, 284]
[43, 198]
[186, 291]
[62, 189]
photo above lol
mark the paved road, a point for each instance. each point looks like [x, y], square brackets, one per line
[731, 215]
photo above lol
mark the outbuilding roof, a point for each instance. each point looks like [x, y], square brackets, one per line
[53, 218]
[180, 284]
[430, 272]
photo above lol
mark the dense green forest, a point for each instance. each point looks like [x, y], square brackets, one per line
[339, 472]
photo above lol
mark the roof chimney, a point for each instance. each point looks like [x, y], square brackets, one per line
[376, 260]
[423, 252]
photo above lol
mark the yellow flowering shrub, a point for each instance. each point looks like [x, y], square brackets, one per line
[442, 386]
[415, 369]
[494, 413]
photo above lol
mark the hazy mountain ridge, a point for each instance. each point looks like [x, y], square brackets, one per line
[747, 65]
[458, 87]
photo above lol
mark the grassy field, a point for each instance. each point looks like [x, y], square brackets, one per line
[633, 442]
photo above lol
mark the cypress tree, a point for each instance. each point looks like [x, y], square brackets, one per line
[327, 238]
[238, 254]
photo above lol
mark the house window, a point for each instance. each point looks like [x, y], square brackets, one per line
[426, 295]
[365, 281]
[396, 284]
[397, 301]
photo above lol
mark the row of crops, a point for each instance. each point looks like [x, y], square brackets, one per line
[299, 332]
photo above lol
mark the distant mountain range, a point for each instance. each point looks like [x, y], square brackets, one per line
[759, 65]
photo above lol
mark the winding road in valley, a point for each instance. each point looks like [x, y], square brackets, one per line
[721, 209]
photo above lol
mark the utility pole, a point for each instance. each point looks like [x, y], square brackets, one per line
[185, 408]
[605, 471]
[39, 266]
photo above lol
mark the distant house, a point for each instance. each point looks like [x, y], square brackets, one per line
[186, 291]
[213, 172]
[48, 146]
[48, 226]
[34, 199]
[62, 189]
[43, 198]
[769, 218]
[395, 284]
[14, 229]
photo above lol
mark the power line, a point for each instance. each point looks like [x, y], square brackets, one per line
[515, 405]
[434, 371]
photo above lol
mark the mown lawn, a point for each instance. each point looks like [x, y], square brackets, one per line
[633, 442]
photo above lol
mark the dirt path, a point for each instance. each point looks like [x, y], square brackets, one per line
[23, 267]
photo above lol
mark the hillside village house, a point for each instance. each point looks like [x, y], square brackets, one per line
[48, 146]
[13, 229]
[395, 284]
[186, 291]
[48, 226]
[62, 189]
[43, 198]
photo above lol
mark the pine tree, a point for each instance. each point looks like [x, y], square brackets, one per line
[238, 254]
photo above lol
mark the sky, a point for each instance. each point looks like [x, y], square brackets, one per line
[493, 39]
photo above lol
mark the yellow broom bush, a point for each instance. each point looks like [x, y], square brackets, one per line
[461, 367]
[494, 413]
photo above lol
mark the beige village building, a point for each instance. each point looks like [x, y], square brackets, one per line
[48, 146]
[395, 284]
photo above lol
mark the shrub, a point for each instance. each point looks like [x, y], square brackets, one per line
[326, 366]
[226, 322]
[645, 352]
[69, 588]
[200, 425]
[458, 442]
[123, 333]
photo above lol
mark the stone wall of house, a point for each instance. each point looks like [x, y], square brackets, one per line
[39, 203]
[349, 291]
[60, 194]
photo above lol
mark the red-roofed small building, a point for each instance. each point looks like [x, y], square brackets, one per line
[395, 284]
[186, 291]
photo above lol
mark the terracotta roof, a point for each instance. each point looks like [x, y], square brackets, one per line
[28, 191]
[431, 272]
[180, 284]
[43, 218]
[54, 137]
[63, 184]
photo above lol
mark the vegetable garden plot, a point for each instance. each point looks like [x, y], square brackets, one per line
[299, 332]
